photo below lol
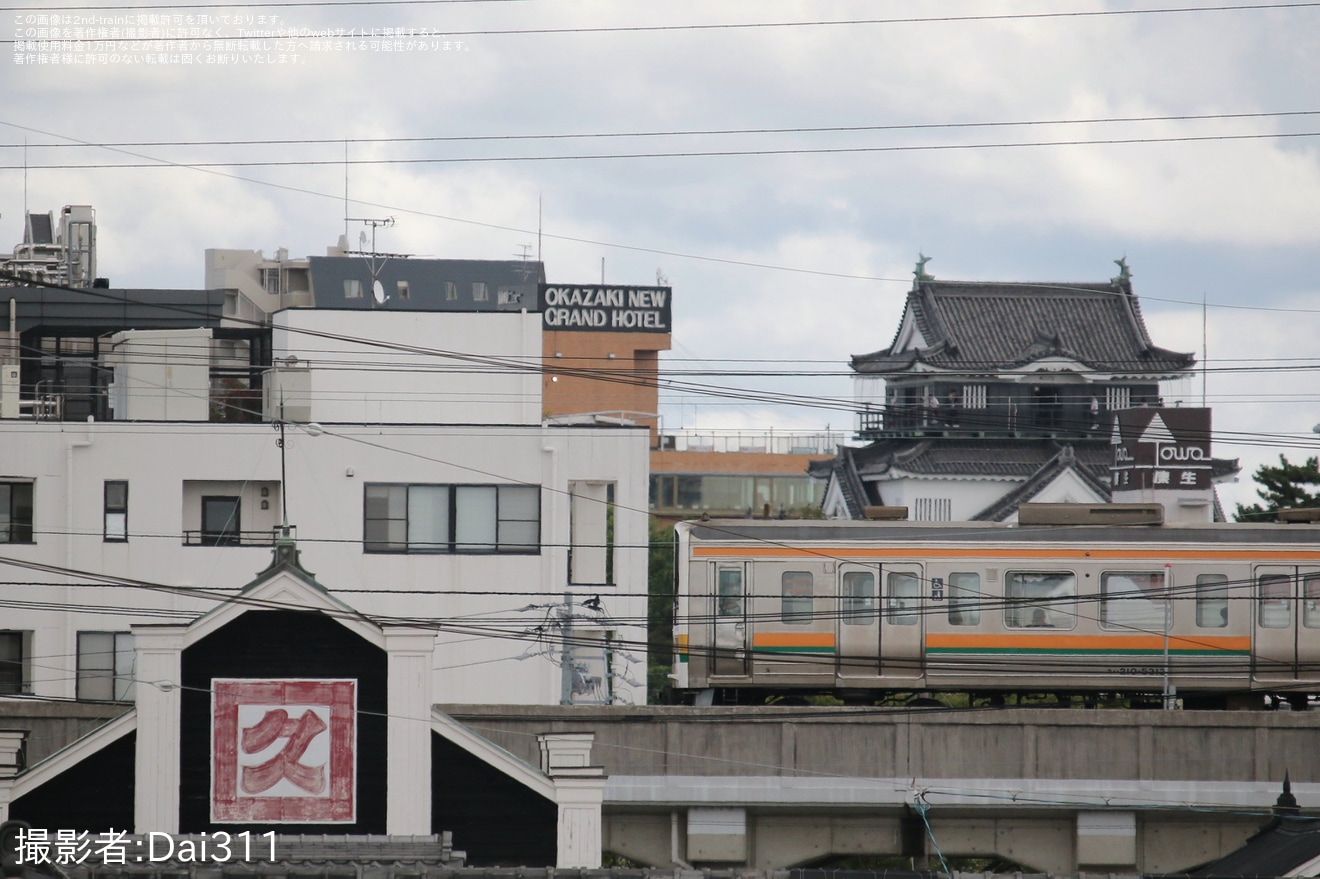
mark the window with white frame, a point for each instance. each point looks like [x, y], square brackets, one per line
[115, 528]
[452, 518]
[15, 512]
[1118, 398]
[352, 288]
[479, 291]
[105, 666]
[451, 291]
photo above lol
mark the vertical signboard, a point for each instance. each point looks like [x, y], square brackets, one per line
[1161, 450]
[283, 751]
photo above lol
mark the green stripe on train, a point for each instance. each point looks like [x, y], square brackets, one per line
[1071, 651]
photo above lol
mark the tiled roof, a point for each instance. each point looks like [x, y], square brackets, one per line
[975, 326]
[958, 457]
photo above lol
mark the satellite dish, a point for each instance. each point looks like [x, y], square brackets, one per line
[378, 290]
[362, 241]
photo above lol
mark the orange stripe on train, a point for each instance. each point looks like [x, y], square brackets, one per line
[793, 639]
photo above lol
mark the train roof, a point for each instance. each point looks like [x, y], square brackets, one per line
[809, 531]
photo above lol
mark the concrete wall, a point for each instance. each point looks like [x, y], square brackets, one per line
[438, 368]
[1054, 790]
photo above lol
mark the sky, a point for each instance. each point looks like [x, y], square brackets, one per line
[780, 164]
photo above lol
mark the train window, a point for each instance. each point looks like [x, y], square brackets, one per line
[965, 599]
[904, 592]
[1133, 600]
[730, 593]
[1040, 599]
[1275, 601]
[795, 597]
[1211, 601]
[858, 598]
[1311, 602]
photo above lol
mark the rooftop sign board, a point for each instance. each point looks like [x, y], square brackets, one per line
[605, 309]
[1161, 449]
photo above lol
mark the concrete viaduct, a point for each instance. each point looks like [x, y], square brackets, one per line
[1056, 790]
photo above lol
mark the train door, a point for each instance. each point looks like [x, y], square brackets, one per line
[1287, 607]
[730, 619]
[858, 621]
[903, 622]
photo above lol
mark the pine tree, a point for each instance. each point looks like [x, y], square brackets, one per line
[1288, 486]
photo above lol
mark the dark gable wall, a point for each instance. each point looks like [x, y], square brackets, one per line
[95, 794]
[283, 644]
[496, 821]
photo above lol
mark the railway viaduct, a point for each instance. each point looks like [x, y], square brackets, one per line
[1056, 790]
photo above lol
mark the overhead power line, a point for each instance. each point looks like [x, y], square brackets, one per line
[714, 132]
[678, 154]
[735, 25]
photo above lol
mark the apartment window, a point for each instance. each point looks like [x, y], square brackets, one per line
[1118, 398]
[221, 521]
[1133, 600]
[965, 599]
[451, 291]
[15, 512]
[1040, 600]
[352, 288]
[452, 518]
[105, 666]
[904, 594]
[795, 597]
[858, 598]
[401, 288]
[12, 663]
[116, 511]
[1211, 601]
[479, 292]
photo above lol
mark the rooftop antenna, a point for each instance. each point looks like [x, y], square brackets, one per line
[526, 251]
[377, 289]
[538, 227]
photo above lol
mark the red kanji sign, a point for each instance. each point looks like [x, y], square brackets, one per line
[283, 751]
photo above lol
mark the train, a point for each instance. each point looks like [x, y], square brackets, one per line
[1202, 616]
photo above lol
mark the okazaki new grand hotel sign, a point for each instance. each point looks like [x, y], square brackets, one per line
[605, 309]
[283, 751]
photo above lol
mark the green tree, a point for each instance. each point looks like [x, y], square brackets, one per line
[660, 610]
[1287, 486]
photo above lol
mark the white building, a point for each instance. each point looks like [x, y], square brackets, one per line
[417, 472]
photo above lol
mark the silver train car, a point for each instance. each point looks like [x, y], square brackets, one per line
[1220, 615]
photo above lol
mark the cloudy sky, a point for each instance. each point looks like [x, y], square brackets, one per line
[780, 163]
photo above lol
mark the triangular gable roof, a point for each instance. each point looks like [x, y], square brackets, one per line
[285, 585]
[979, 328]
[1052, 474]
